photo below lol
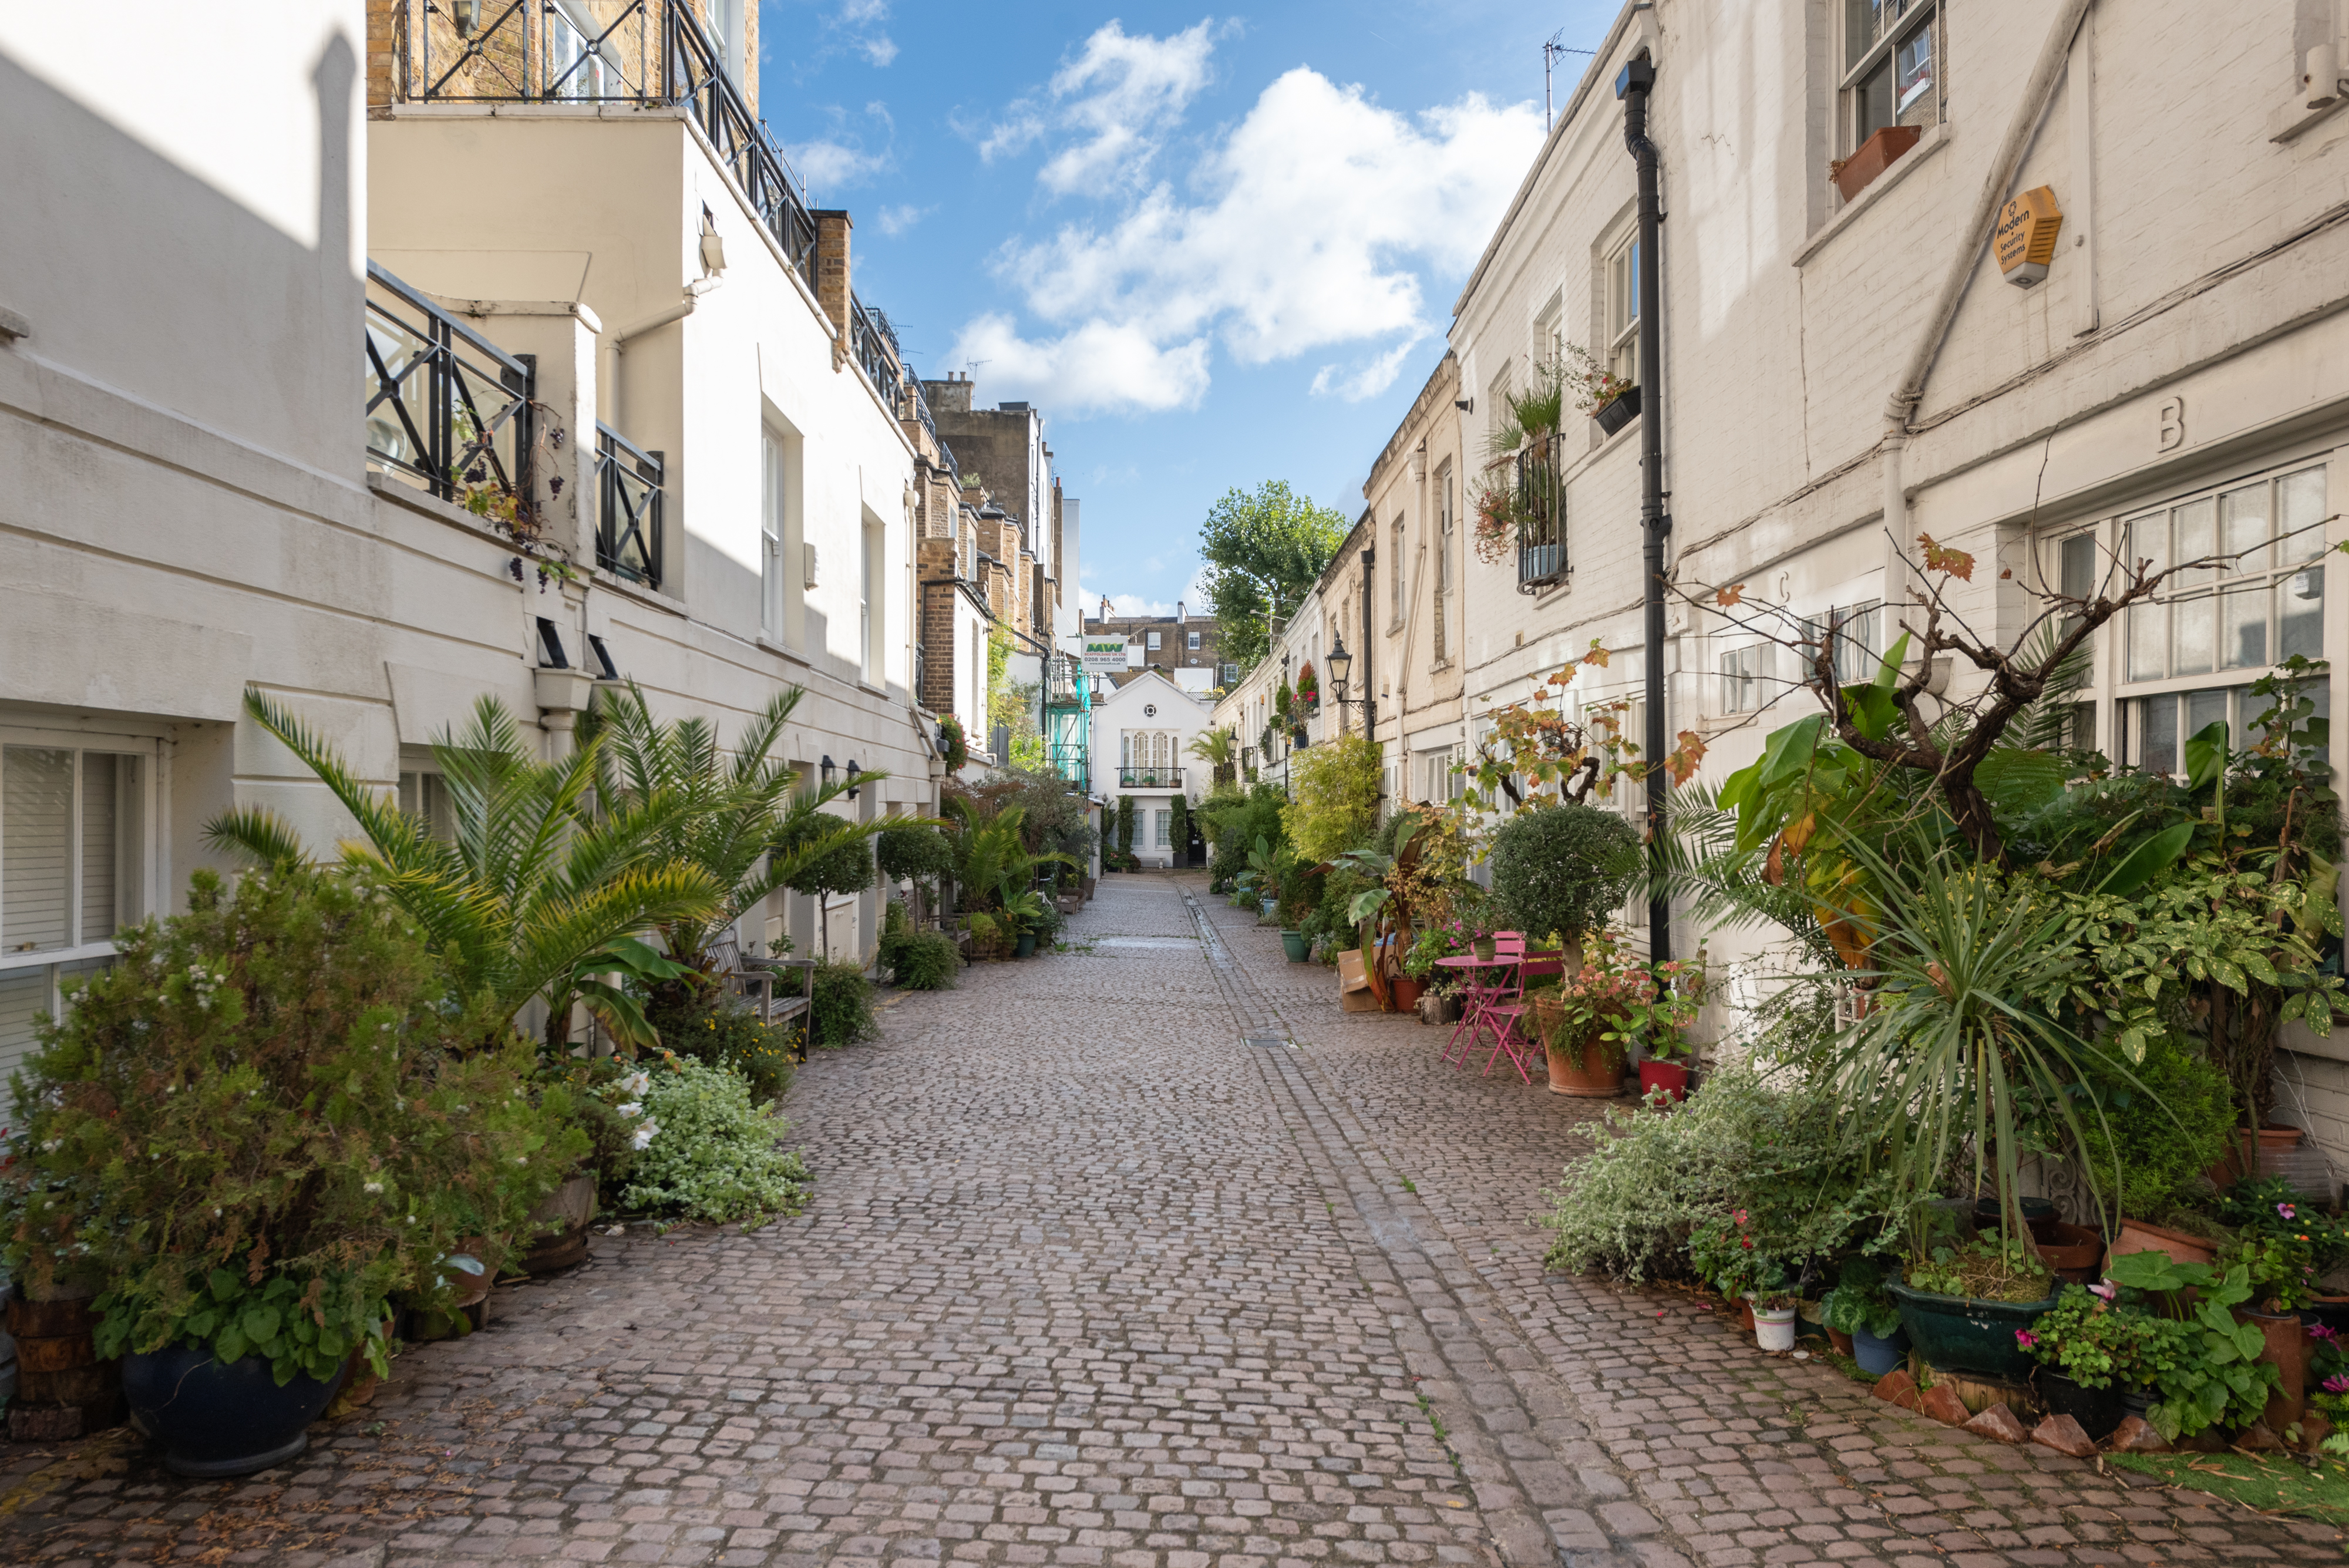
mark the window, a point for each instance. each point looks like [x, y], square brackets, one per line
[1623, 308]
[771, 537]
[1854, 630]
[1166, 815]
[575, 68]
[1395, 570]
[1443, 560]
[1153, 643]
[2213, 630]
[426, 795]
[871, 612]
[73, 870]
[1746, 680]
[1193, 643]
[1549, 334]
[1890, 75]
[1231, 675]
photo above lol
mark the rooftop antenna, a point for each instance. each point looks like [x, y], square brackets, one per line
[1551, 49]
[970, 369]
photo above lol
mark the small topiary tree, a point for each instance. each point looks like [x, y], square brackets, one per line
[1181, 831]
[1125, 825]
[912, 852]
[1562, 870]
[847, 869]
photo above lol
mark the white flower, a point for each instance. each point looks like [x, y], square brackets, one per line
[216, 1213]
[521, 1159]
[632, 1110]
[636, 1084]
[645, 1131]
[374, 1187]
[171, 1088]
[412, 1219]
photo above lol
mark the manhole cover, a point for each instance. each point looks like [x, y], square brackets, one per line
[1274, 1041]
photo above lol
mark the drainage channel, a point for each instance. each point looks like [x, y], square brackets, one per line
[1481, 1385]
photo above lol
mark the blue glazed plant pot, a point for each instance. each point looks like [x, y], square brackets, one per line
[216, 1419]
[1877, 1357]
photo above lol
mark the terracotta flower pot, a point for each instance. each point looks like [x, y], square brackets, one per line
[1872, 158]
[2287, 1348]
[1407, 990]
[2136, 1236]
[1588, 1068]
[2072, 1252]
[1839, 1338]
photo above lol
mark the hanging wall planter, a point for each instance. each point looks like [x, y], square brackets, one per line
[1617, 412]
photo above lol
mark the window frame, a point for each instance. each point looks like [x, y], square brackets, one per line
[1620, 297]
[1915, 17]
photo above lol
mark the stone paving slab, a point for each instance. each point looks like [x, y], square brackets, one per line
[1088, 1279]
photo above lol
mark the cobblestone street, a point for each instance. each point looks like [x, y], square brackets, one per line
[1140, 1255]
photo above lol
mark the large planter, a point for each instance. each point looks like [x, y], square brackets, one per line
[1407, 991]
[1589, 1068]
[1878, 1355]
[568, 1207]
[216, 1419]
[2098, 1410]
[1296, 946]
[1613, 415]
[2136, 1236]
[63, 1390]
[1964, 1334]
[1026, 945]
[1670, 1076]
[2287, 1348]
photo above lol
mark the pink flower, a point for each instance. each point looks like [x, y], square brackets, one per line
[2024, 1339]
[2286, 1209]
[2106, 1291]
[1739, 1217]
[2319, 1331]
[1749, 1244]
[2337, 1384]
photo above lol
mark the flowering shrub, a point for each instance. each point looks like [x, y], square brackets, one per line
[711, 1155]
[267, 1119]
[1308, 686]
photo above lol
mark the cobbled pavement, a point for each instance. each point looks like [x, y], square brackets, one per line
[1140, 1255]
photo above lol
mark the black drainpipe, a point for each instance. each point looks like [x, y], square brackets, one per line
[1370, 697]
[1632, 86]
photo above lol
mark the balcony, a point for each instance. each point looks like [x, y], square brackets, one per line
[1541, 514]
[600, 51]
[1150, 778]
[628, 485]
[447, 410]
[874, 343]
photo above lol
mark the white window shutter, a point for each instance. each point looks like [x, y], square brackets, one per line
[35, 848]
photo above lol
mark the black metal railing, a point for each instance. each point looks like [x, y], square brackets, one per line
[1541, 514]
[874, 343]
[446, 407]
[604, 51]
[1150, 778]
[628, 485]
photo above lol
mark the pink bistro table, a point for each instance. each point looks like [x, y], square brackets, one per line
[1484, 1009]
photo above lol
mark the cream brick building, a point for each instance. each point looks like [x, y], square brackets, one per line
[2180, 363]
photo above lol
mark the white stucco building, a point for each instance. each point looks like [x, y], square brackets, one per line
[1142, 735]
[242, 457]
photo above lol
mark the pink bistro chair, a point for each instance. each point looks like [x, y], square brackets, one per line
[1505, 1003]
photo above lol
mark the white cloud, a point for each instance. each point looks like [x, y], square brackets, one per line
[1308, 227]
[841, 159]
[1116, 99]
[1366, 379]
[898, 219]
[1134, 604]
[862, 21]
[1095, 366]
[1124, 91]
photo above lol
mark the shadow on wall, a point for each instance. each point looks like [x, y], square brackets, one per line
[130, 270]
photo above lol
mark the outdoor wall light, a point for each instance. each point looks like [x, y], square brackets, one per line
[1341, 665]
[852, 772]
[826, 770]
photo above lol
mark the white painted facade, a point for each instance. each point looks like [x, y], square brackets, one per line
[192, 508]
[1142, 735]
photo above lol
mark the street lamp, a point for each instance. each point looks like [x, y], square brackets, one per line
[1341, 665]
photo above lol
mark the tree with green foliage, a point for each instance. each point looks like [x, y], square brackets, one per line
[1181, 833]
[1264, 550]
[1334, 800]
[1125, 825]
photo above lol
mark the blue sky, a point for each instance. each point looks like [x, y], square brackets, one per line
[1213, 248]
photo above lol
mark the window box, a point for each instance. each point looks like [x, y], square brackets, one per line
[1872, 157]
[1613, 415]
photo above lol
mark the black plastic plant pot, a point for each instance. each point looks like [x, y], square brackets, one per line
[2098, 1410]
[216, 1419]
[1964, 1334]
[1618, 411]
